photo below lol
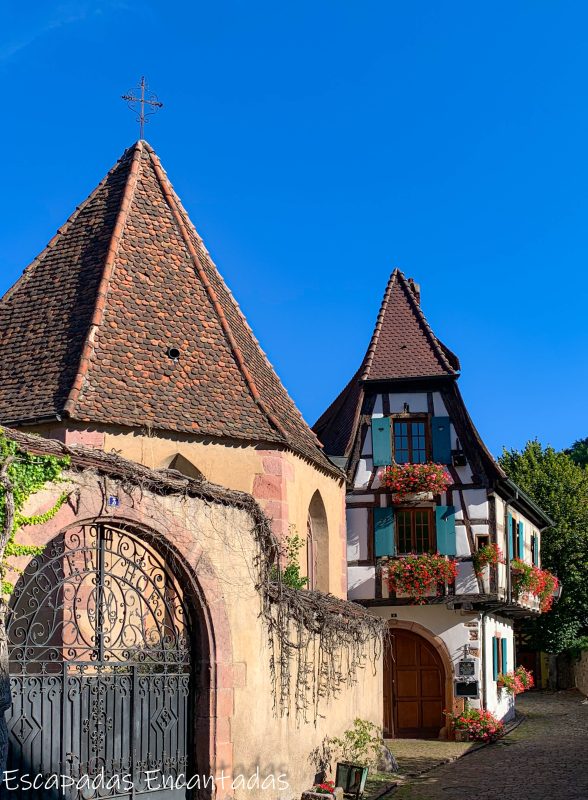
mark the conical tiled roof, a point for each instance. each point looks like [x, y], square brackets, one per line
[87, 330]
[402, 347]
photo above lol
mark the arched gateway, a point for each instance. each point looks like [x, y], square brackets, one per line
[101, 661]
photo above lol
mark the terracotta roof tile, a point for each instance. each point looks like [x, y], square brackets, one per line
[86, 331]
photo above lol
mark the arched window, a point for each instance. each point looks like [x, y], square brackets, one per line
[317, 545]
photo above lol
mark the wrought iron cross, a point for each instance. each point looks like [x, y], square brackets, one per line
[144, 105]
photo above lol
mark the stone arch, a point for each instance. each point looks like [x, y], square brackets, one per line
[214, 675]
[317, 544]
[442, 652]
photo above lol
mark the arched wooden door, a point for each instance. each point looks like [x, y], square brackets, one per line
[101, 656]
[414, 686]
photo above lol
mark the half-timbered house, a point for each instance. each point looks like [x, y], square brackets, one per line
[403, 407]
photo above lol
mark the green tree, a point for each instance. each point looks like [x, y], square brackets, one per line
[579, 452]
[560, 487]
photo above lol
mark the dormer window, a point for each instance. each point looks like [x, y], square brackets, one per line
[410, 441]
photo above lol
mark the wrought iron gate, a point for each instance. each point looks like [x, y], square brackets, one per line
[100, 656]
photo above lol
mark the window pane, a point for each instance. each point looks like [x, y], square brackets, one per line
[401, 442]
[419, 451]
[403, 526]
[422, 531]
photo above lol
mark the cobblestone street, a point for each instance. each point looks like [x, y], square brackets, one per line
[545, 757]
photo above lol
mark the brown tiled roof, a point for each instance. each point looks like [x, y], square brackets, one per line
[86, 330]
[402, 347]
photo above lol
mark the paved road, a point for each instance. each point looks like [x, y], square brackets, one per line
[545, 757]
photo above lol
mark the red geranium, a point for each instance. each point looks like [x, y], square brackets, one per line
[405, 479]
[420, 575]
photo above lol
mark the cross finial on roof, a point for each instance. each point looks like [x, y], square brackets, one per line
[137, 104]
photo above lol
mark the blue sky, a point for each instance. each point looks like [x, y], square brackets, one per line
[317, 145]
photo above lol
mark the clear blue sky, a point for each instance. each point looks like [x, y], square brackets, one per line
[316, 145]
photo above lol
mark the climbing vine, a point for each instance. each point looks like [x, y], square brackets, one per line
[21, 475]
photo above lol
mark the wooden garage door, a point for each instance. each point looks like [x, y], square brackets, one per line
[414, 683]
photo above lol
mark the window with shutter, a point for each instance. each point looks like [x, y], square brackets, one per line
[384, 542]
[441, 429]
[521, 540]
[445, 529]
[381, 444]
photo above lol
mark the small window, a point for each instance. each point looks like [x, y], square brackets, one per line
[414, 530]
[482, 541]
[410, 441]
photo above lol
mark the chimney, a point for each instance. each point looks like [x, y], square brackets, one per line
[416, 289]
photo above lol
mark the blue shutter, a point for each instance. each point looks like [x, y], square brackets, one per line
[384, 544]
[509, 537]
[445, 526]
[441, 440]
[504, 667]
[521, 542]
[494, 658]
[381, 445]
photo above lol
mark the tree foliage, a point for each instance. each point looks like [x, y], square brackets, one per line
[560, 487]
[578, 452]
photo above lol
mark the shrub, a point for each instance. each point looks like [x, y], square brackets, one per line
[361, 744]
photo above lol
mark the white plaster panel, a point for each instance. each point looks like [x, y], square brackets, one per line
[461, 541]
[417, 402]
[360, 498]
[366, 448]
[480, 530]
[466, 582]
[477, 503]
[363, 473]
[357, 534]
[439, 405]
[361, 583]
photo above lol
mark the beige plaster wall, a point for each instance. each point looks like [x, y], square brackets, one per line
[282, 482]
[217, 542]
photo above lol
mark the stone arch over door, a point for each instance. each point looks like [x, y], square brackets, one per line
[111, 653]
[424, 703]
[317, 544]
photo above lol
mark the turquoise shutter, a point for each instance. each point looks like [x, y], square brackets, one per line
[509, 537]
[445, 526]
[441, 440]
[536, 550]
[381, 445]
[494, 658]
[504, 667]
[521, 541]
[384, 544]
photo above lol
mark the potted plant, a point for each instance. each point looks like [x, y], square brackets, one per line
[517, 681]
[358, 750]
[475, 725]
[540, 582]
[419, 576]
[488, 555]
[416, 481]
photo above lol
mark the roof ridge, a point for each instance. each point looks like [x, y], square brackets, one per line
[175, 206]
[63, 229]
[107, 271]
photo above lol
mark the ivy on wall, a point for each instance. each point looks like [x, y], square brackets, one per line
[21, 475]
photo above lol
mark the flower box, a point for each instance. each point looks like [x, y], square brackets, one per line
[410, 479]
[420, 576]
[413, 497]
